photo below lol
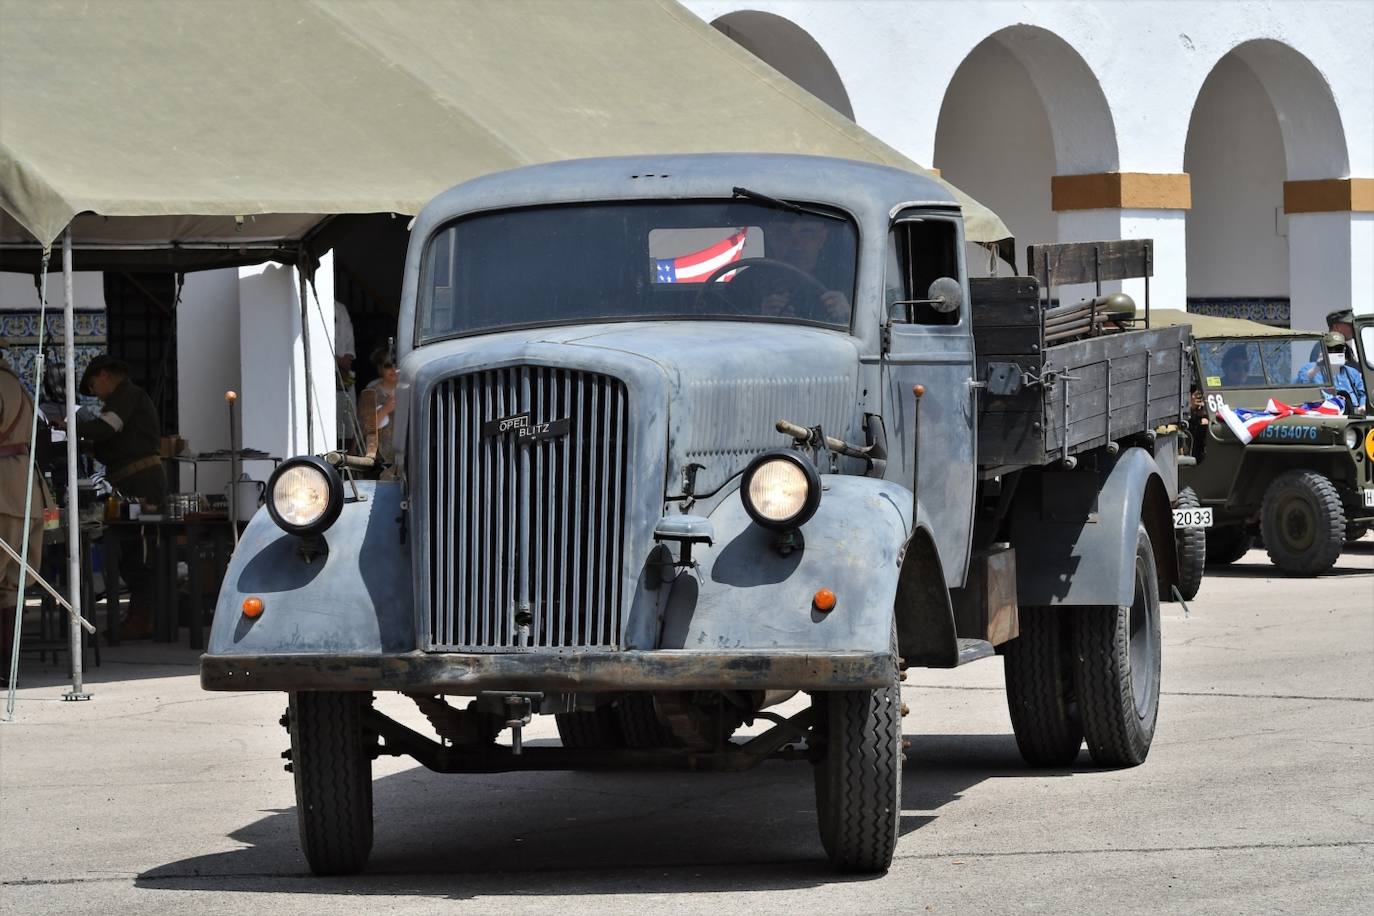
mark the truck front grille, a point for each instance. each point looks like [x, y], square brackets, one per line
[527, 516]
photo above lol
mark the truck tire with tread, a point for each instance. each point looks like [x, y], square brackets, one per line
[1192, 549]
[333, 775]
[1039, 670]
[1303, 523]
[859, 777]
[592, 728]
[640, 726]
[1118, 668]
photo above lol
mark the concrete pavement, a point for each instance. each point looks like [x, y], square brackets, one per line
[156, 797]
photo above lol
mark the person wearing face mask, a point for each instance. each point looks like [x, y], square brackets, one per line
[1347, 380]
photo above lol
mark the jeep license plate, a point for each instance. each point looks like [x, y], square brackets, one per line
[1369, 499]
[1195, 518]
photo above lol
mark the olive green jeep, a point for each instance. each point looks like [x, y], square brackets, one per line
[1304, 485]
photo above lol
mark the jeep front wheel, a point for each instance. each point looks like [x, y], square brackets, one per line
[1192, 549]
[1303, 523]
[333, 770]
[859, 776]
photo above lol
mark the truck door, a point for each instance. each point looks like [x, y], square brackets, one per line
[933, 348]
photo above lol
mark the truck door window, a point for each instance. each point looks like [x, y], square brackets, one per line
[919, 252]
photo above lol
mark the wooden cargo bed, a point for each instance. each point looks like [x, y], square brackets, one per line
[1044, 402]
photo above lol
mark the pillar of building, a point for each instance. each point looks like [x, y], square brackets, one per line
[1330, 248]
[1129, 205]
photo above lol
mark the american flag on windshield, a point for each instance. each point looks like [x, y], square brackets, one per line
[1247, 424]
[698, 266]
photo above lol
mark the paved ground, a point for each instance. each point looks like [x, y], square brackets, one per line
[155, 797]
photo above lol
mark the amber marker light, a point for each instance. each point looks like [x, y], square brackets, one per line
[252, 607]
[824, 600]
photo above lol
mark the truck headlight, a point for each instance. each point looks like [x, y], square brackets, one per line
[780, 489]
[304, 495]
[1352, 437]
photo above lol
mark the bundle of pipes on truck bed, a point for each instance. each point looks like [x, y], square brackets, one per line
[748, 436]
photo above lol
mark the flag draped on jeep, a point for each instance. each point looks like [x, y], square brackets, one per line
[1247, 424]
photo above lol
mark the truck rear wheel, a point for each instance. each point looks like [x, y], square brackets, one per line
[1192, 549]
[640, 724]
[1040, 688]
[1225, 544]
[1118, 653]
[593, 728]
[1303, 523]
[859, 777]
[333, 771]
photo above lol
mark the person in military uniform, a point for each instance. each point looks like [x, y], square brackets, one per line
[125, 435]
[16, 421]
[1348, 381]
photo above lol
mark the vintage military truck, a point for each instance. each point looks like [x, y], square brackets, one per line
[681, 437]
[1304, 485]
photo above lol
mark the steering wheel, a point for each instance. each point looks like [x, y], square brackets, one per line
[710, 287]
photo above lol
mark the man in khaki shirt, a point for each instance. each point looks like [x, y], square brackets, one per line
[16, 422]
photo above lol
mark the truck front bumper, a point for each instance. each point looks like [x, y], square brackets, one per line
[571, 672]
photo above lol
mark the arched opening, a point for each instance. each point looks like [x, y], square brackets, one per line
[1263, 116]
[789, 49]
[1022, 107]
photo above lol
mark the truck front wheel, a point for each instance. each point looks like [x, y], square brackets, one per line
[1041, 698]
[333, 770]
[1118, 668]
[859, 777]
[1303, 523]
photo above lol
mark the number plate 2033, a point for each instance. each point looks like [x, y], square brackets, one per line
[1193, 518]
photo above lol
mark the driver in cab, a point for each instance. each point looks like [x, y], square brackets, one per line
[798, 242]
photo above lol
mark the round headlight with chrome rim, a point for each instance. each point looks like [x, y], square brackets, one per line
[1352, 437]
[780, 489]
[304, 495]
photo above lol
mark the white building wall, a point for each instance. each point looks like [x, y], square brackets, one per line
[1150, 59]
[19, 293]
[1237, 237]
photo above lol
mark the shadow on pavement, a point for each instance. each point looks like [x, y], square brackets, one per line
[540, 833]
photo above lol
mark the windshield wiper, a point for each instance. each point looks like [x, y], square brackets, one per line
[782, 204]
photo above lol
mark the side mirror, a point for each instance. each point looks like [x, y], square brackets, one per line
[945, 295]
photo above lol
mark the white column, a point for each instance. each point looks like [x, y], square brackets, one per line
[1324, 262]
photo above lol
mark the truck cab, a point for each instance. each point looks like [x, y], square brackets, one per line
[679, 438]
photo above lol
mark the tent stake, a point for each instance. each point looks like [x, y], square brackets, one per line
[73, 517]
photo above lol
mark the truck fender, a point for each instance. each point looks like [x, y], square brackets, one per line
[744, 594]
[354, 597]
[926, 636]
[1075, 531]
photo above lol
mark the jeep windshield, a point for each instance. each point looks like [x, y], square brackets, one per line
[625, 261]
[1264, 362]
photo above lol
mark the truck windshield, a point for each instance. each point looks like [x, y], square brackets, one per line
[1264, 363]
[572, 264]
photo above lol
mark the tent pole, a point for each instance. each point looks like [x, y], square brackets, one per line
[73, 518]
[305, 348]
[28, 489]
